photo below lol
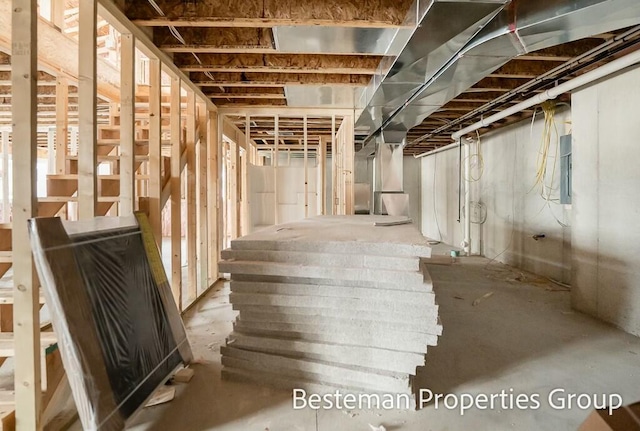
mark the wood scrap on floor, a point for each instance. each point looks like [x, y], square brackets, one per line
[482, 298]
[162, 395]
[183, 375]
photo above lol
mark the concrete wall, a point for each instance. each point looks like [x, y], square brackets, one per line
[606, 202]
[515, 210]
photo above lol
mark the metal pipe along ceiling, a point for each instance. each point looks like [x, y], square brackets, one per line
[457, 43]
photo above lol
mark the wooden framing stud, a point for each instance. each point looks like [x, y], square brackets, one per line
[87, 108]
[192, 228]
[127, 124]
[26, 305]
[176, 192]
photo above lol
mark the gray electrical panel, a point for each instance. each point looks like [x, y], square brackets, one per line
[565, 169]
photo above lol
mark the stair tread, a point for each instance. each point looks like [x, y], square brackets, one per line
[103, 177]
[7, 348]
[75, 199]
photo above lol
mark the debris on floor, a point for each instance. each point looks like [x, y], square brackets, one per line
[162, 395]
[482, 298]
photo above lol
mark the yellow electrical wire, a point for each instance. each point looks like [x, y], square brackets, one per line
[479, 161]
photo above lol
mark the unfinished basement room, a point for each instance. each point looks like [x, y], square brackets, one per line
[337, 215]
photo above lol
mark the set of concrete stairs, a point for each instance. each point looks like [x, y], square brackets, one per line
[328, 304]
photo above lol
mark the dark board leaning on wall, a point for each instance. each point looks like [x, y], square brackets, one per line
[120, 332]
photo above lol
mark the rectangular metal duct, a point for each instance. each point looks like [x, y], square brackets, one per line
[388, 172]
[440, 62]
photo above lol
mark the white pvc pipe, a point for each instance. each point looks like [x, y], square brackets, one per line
[437, 150]
[466, 244]
[587, 78]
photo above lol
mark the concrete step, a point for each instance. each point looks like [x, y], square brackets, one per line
[328, 291]
[402, 280]
[388, 306]
[353, 336]
[320, 372]
[368, 357]
[424, 320]
[327, 259]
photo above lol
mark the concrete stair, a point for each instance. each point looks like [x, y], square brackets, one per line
[330, 304]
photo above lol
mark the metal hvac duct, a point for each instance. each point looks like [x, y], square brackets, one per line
[457, 43]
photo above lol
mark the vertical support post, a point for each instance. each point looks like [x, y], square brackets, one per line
[334, 168]
[233, 188]
[6, 206]
[306, 169]
[348, 164]
[87, 108]
[62, 123]
[213, 185]
[57, 13]
[24, 74]
[155, 149]
[192, 229]
[222, 232]
[322, 175]
[249, 158]
[274, 163]
[51, 151]
[176, 192]
[203, 204]
[127, 124]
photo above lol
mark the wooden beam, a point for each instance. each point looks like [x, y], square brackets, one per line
[202, 200]
[24, 16]
[57, 13]
[244, 49]
[6, 205]
[155, 149]
[176, 193]
[213, 203]
[334, 170]
[372, 13]
[245, 96]
[233, 196]
[348, 164]
[260, 111]
[88, 132]
[257, 79]
[250, 152]
[62, 124]
[260, 22]
[127, 123]
[112, 13]
[284, 69]
[192, 228]
[322, 176]
[57, 53]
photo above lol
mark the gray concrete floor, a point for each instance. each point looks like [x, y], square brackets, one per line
[524, 336]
